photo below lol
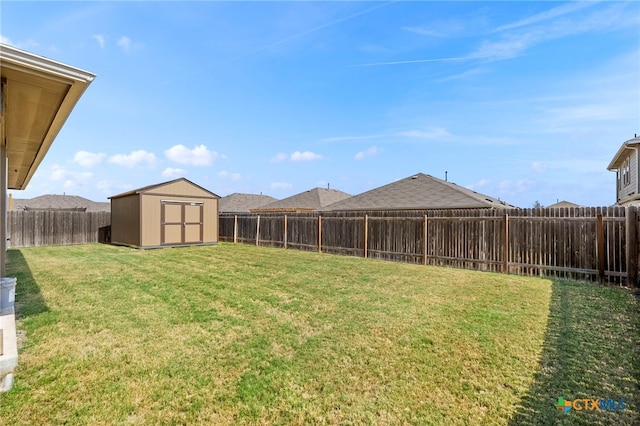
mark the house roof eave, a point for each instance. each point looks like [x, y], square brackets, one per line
[627, 146]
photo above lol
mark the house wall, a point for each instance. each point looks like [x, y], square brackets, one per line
[125, 220]
[629, 193]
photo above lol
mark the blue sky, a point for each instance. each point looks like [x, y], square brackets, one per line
[523, 101]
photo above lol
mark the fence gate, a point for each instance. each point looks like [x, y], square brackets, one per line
[181, 222]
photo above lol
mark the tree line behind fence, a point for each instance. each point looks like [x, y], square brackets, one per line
[592, 244]
[54, 228]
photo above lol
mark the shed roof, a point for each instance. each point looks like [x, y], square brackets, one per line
[310, 200]
[623, 152]
[243, 203]
[417, 192]
[158, 185]
[39, 94]
[59, 202]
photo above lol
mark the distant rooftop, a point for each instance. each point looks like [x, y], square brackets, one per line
[311, 200]
[243, 203]
[418, 192]
[60, 202]
[563, 204]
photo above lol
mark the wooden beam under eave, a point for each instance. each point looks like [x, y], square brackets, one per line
[3, 178]
[3, 110]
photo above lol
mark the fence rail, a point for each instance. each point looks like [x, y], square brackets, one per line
[592, 244]
[52, 228]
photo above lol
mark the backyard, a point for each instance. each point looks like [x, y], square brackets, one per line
[239, 334]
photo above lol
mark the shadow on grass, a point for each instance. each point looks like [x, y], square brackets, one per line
[591, 350]
[29, 300]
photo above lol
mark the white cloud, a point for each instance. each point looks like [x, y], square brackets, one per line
[585, 113]
[5, 40]
[198, 156]
[479, 184]
[133, 159]
[443, 28]
[547, 14]
[170, 172]
[281, 156]
[374, 48]
[88, 159]
[352, 138]
[513, 43]
[125, 43]
[111, 187]
[100, 39]
[234, 177]
[434, 133]
[538, 167]
[59, 173]
[374, 150]
[280, 185]
[515, 187]
[305, 156]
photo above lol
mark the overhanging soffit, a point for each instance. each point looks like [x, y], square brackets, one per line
[38, 96]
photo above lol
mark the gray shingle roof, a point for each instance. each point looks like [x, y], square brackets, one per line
[418, 192]
[241, 203]
[51, 201]
[311, 200]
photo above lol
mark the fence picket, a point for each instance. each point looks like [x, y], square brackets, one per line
[557, 243]
[40, 228]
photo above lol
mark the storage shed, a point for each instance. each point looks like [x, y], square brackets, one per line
[174, 213]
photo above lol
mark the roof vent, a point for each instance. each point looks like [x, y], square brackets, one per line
[414, 177]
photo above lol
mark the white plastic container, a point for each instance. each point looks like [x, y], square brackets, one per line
[7, 292]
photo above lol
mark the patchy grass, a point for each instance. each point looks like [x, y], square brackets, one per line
[238, 334]
[591, 351]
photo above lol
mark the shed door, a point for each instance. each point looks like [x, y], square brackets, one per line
[181, 222]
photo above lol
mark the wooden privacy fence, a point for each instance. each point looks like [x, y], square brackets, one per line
[592, 244]
[53, 228]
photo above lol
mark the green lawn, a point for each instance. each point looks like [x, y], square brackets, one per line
[238, 334]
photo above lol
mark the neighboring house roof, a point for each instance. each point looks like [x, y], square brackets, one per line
[39, 94]
[158, 185]
[418, 192]
[243, 203]
[60, 202]
[625, 149]
[563, 204]
[311, 200]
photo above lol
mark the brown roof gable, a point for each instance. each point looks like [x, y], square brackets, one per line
[157, 185]
[418, 192]
[311, 200]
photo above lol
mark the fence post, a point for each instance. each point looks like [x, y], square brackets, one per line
[366, 234]
[505, 245]
[600, 246]
[424, 241]
[258, 230]
[235, 228]
[631, 230]
[285, 231]
[319, 234]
